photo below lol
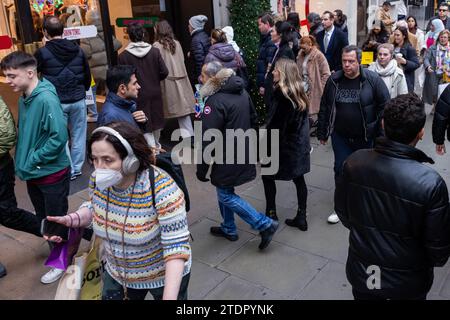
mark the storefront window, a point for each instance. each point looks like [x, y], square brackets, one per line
[305, 6]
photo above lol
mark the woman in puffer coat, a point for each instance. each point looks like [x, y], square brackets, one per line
[223, 52]
[290, 119]
[95, 49]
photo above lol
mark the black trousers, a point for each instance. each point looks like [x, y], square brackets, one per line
[52, 200]
[112, 290]
[270, 191]
[11, 216]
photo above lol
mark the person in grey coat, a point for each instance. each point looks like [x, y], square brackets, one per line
[434, 67]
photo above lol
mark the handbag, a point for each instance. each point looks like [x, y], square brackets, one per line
[62, 253]
[83, 279]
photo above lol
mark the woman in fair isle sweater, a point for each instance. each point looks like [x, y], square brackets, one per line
[147, 246]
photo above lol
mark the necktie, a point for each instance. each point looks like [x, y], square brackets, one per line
[325, 41]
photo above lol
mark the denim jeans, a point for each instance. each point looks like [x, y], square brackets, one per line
[230, 203]
[50, 199]
[11, 216]
[343, 147]
[112, 290]
[75, 115]
[92, 108]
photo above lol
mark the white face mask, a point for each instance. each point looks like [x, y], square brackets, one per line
[105, 178]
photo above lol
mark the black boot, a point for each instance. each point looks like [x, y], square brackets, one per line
[299, 221]
[272, 214]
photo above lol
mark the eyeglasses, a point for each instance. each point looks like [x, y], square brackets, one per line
[443, 10]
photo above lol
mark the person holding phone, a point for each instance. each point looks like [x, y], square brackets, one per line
[139, 213]
[41, 159]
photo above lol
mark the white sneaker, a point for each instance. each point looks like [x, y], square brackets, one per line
[333, 218]
[52, 276]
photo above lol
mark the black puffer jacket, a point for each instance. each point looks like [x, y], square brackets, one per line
[441, 120]
[397, 211]
[265, 55]
[373, 97]
[293, 144]
[64, 64]
[200, 44]
[228, 106]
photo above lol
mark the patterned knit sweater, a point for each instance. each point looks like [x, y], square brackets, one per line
[151, 238]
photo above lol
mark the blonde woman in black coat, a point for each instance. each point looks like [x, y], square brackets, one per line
[290, 117]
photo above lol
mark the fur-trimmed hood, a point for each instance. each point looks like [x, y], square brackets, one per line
[221, 82]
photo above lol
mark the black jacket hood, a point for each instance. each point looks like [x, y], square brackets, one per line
[63, 49]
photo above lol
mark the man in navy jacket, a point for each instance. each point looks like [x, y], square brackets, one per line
[335, 40]
[119, 104]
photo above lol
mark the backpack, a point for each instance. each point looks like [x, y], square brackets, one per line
[164, 161]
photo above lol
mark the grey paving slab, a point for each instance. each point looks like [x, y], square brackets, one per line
[435, 297]
[329, 284]
[234, 288]
[203, 280]
[323, 239]
[320, 177]
[322, 155]
[25, 267]
[281, 268]
[440, 276]
[445, 288]
[213, 250]
[286, 196]
[28, 240]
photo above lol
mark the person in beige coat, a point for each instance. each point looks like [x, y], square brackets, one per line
[384, 14]
[178, 97]
[314, 70]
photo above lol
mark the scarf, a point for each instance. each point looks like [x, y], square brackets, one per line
[385, 73]
[443, 59]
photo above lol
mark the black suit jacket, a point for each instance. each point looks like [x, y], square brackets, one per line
[337, 42]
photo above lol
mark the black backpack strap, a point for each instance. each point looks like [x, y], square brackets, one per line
[151, 176]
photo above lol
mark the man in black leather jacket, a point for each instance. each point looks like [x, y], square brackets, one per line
[396, 208]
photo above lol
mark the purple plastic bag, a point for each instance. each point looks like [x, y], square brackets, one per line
[62, 253]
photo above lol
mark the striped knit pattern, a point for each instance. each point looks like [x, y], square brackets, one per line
[151, 238]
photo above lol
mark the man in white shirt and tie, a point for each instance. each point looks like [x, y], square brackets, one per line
[331, 41]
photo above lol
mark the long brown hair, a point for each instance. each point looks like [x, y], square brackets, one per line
[290, 83]
[164, 35]
[218, 36]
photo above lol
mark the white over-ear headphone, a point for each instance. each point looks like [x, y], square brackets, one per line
[130, 164]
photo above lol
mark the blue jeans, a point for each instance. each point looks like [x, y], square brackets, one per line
[92, 108]
[75, 115]
[343, 147]
[230, 203]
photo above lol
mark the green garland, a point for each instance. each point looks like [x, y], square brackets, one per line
[244, 20]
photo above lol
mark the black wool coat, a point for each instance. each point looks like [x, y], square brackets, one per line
[441, 120]
[294, 146]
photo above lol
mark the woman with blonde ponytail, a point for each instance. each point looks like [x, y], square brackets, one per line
[290, 117]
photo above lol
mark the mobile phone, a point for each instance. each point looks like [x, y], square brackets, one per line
[50, 228]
